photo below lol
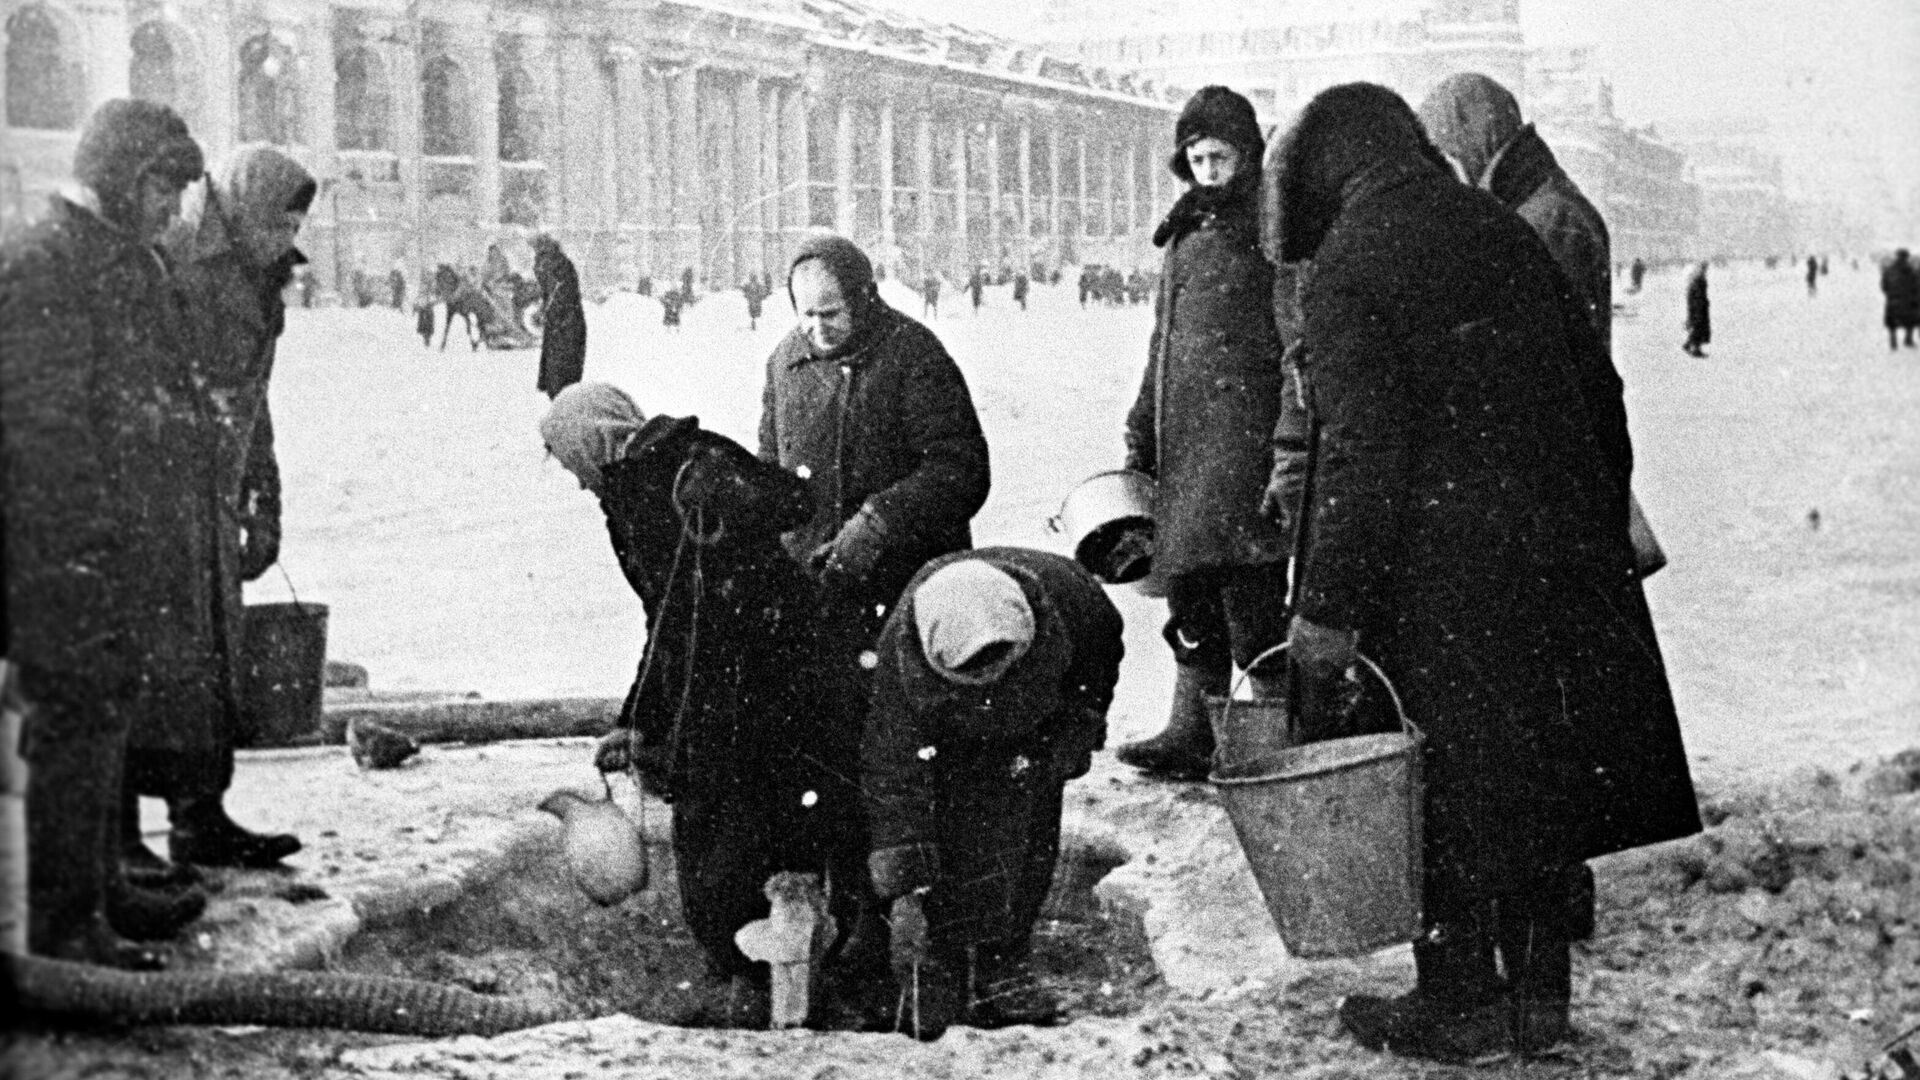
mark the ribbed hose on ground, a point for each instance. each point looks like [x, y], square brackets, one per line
[71, 992]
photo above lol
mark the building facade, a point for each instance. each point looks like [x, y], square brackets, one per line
[648, 136]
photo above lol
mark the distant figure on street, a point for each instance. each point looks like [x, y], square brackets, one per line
[1699, 314]
[424, 319]
[1813, 275]
[686, 286]
[755, 289]
[397, 288]
[930, 297]
[976, 287]
[1636, 274]
[644, 286]
[563, 318]
[671, 302]
[1020, 285]
[1900, 281]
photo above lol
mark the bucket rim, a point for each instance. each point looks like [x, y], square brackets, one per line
[269, 607]
[1405, 741]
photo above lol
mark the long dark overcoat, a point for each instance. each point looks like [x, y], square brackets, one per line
[891, 425]
[563, 322]
[1468, 518]
[1203, 421]
[1699, 309]
[1900, 282]
[108, 466]
[1526, 176]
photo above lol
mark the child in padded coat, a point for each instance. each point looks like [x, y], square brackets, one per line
[991, 689]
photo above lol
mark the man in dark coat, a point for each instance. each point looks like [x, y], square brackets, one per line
[107, 454]
[1201, 427]
[866, 404]
[991, 691]
[1467, 528]
[1900, 283]
[563, 320]
[1699, 313]
[234, 249]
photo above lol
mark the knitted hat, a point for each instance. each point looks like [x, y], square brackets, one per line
[124, 139]
[1215, 112]
[964, 609]
[843, 259]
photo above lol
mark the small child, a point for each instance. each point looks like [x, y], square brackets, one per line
[423, 322]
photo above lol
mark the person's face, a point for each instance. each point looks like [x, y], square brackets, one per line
[269, 244]
[157, 202]
[826, 318]
[1213, 162]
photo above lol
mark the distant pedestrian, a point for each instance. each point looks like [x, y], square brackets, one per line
[1813, 275]
[563, 318]
[644, 286]
[930, 297]
[1020, 285]
[1636, 274]
[423, 319]
[976, 288]
[756, 294]
[1699, 313]
[397, 288]
[686, 286]
[671, 302]
[1900, 281]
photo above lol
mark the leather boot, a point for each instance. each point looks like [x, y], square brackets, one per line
[1536, 951]
[152, 914]
[1184, 750]
[71, 807]
[203, 835]
[142, 868]
[1455, 1013]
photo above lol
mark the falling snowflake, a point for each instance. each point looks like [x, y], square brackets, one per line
[810, 798]
[926, 753]
[869, 659]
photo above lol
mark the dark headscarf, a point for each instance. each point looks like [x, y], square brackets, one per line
[1215, 112]
[1350, 141]
[125, 139]
[1471, 118]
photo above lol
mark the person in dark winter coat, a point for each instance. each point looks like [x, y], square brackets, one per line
[233, 248]
[1202, 427]
[1020, 286]
[991, 691]
[976, 288]
[1900, 283]
[930, 297]
[1813, 275]
[866, 404]
[722, 719]
[1467, 529]
[107, 470]
[563, 318]
[671, 302]
[1699, 313]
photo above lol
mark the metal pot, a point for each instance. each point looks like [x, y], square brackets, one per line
[1107, 521]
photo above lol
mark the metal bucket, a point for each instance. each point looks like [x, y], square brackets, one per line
[1108, 523]
[283, 659]
[1332, 832]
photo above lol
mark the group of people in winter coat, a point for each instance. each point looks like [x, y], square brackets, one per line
[1381, 357]
[137, 338]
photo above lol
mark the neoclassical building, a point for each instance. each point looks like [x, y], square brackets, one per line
[645, 134]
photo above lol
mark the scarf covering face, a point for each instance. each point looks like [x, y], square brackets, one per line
[1471, 119]
[965, 607]
[1235, 197]
[590, 426]
[1351, 141]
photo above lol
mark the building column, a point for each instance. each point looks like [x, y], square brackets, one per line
[773, 216]
[221, 56]
[719, 224]
[923, 179]
[1053, 189]
[796, 180]
[1133, 186]
[843, 218]
[889, 243]
[1026, 194]
[961, 196]
[993, 192]
[1080, 174]
[747, 179]
[1156, 176]
[407, 148]
[486, 143]
[659, 174]
[685, 165]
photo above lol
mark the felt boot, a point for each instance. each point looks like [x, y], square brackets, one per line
[1536, 951]
[203, 835]
[1184, 750]
[1455, 1012]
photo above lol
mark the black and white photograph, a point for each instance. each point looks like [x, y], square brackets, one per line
[1060, 539]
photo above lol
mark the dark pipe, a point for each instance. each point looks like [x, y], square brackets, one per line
[64, 991]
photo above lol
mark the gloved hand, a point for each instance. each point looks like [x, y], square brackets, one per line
[259, 546]
[853, 551]
[1321, 651]
[619, 752]
[1277, 501]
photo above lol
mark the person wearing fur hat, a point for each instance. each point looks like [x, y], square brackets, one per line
[1466, 528]
[1202, 427]
[233, 248]
[107, 454]
[991, 690]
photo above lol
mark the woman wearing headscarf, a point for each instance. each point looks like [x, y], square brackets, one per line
[1202, 427]
[563, 320]
[991, 688]
[722, 718]
[1466, 527]
[234, 254]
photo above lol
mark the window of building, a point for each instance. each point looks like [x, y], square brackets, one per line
[519, 109]
[361, 101]
[269, 93]
[45, 89]
[159, 71]
[446, 109]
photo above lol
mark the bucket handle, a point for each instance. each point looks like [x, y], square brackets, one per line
[291, 591]
[1226, 710]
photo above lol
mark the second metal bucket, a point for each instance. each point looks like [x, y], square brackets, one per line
[283, 659]
[1107, 520]
[1331, 831]
[1248, 733]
